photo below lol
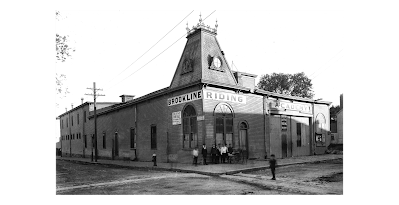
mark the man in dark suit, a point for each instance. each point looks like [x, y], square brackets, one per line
[204, 153]
[214, 152]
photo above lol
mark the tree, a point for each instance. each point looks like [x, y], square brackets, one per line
[297, 84]
[333, 112]
[63, 51]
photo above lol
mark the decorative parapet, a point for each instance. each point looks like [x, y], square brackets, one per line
[201, 25]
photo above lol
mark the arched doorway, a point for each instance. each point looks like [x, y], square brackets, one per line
[320, 130]
[190, 131]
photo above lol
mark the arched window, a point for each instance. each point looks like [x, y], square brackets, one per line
[223, 124]
[190, 132]
[320, 130]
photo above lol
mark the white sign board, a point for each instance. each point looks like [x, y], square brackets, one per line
[176, 118]
[188, 97]
[222, 96]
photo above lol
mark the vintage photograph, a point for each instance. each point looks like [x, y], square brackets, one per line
[199, 102]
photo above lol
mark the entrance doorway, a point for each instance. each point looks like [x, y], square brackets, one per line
[116, 147]
[243, 139]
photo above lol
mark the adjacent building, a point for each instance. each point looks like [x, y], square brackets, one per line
[206, 103]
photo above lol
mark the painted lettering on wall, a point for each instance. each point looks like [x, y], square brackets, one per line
[222, 96]
[292, 106]
[185, 98]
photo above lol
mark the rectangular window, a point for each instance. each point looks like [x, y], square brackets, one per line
[85, 139]
[84, 116]
[104, 141]
[132, 138]
[153, 137]
[299, 135]
[67, 122]
[78, 118]
[72, 120]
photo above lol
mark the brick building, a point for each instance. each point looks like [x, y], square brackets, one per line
[207, 103]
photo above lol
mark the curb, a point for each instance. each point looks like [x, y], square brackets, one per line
[193, 171]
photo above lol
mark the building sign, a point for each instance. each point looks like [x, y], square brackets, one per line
[304, 108]
[185, 98]
[176, 118]
[200, 118]
[222, 96]
[283, 123]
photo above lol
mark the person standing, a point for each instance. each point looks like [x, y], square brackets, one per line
[213, 153]
[224, 153]
[204, 154]
[229, 153]
[218, 154]
[195, 156]
[273, 164]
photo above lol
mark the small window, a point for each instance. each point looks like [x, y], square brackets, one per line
[153, 137]
[84, 116]
[67, 122]
[78, 118]
[104, 141]
[72, 120]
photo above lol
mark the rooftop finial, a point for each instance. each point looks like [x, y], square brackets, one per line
[216, 25]
[200, 20]
[188, 30]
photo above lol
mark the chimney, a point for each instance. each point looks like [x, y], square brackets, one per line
[126, 98]
[66, 109]
[81, 100]
[245, 79]
[341, 101]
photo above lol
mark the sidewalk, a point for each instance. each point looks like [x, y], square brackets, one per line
[210, 169]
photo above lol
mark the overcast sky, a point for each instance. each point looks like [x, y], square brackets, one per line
[109, 42]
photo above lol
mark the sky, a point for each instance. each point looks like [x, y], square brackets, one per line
[109, 47]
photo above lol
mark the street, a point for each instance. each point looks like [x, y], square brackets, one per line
[75, 178]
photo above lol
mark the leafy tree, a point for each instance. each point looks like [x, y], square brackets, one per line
[297, 84]
[333, 112]
[63, 52]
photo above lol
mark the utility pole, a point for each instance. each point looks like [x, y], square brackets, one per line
[95, 118]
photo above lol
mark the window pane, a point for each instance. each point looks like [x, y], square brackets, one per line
[194, 140]
[219, 125]
[186, 140]
[229, 125]
[189, 111]
[229, 139]
[219, 138]
[193, 124]
[186, 128]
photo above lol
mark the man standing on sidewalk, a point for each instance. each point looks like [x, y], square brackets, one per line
[204, 152]
[195, 156]
[273, 164]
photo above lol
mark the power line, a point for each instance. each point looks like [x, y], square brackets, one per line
[326, 67]
[158, 54]
[325, 63]
[152, 46]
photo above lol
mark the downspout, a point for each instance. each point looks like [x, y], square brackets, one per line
[135, 132]
[264, 124]
[70, 135]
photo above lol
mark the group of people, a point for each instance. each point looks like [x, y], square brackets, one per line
[222, 153]
[218, 154]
